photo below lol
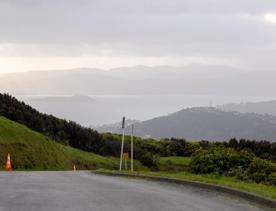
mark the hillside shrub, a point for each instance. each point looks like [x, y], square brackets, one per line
[261, 170]
[240, 164]
[219, 160]
[149, 160]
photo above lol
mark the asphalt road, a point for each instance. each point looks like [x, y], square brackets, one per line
[78, 191]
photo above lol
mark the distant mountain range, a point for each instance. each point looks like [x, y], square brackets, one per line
[205, 123]
[266, 107]
[196, 79]
[64, 99]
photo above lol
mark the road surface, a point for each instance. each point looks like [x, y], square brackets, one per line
[81, 191]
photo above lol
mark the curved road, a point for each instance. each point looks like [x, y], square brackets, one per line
[81, 191]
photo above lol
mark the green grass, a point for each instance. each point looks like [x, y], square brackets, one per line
[260, 189]
[166, 165]
[182, 161]
[174, 163]
[176, 167]
[33, 151]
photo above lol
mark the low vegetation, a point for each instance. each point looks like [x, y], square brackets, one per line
[229, 162]
[174, 164]
[220, 168]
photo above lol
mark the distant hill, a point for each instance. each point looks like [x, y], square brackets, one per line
[267, 107]
[207, 124]
[32, 150]
[64, 99]
[115, 127]
[209, 80]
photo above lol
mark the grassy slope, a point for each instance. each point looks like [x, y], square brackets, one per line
[31, 150]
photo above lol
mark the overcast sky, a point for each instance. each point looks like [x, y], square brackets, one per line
[59, 34]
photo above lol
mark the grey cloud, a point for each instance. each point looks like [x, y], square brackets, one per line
[214, 28]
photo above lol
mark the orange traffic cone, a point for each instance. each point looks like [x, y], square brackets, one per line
[8, 163]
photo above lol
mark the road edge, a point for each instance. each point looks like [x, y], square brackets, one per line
[232, 191]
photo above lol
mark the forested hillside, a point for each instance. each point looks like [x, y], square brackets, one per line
[67, 132]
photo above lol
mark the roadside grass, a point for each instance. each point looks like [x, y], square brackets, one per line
[173, 163]
[176, 167]
[30, 150]
[260, 189]
[167, 165]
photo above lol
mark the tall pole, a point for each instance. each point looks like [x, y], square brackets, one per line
[123, 140]
[132, 129]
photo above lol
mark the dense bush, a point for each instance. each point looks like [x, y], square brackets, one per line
[261, 170]
[219, 160]
[149, 159]
[262, 149]
[261, 166]
[230, 162]
[180, 147]
[176, 147]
